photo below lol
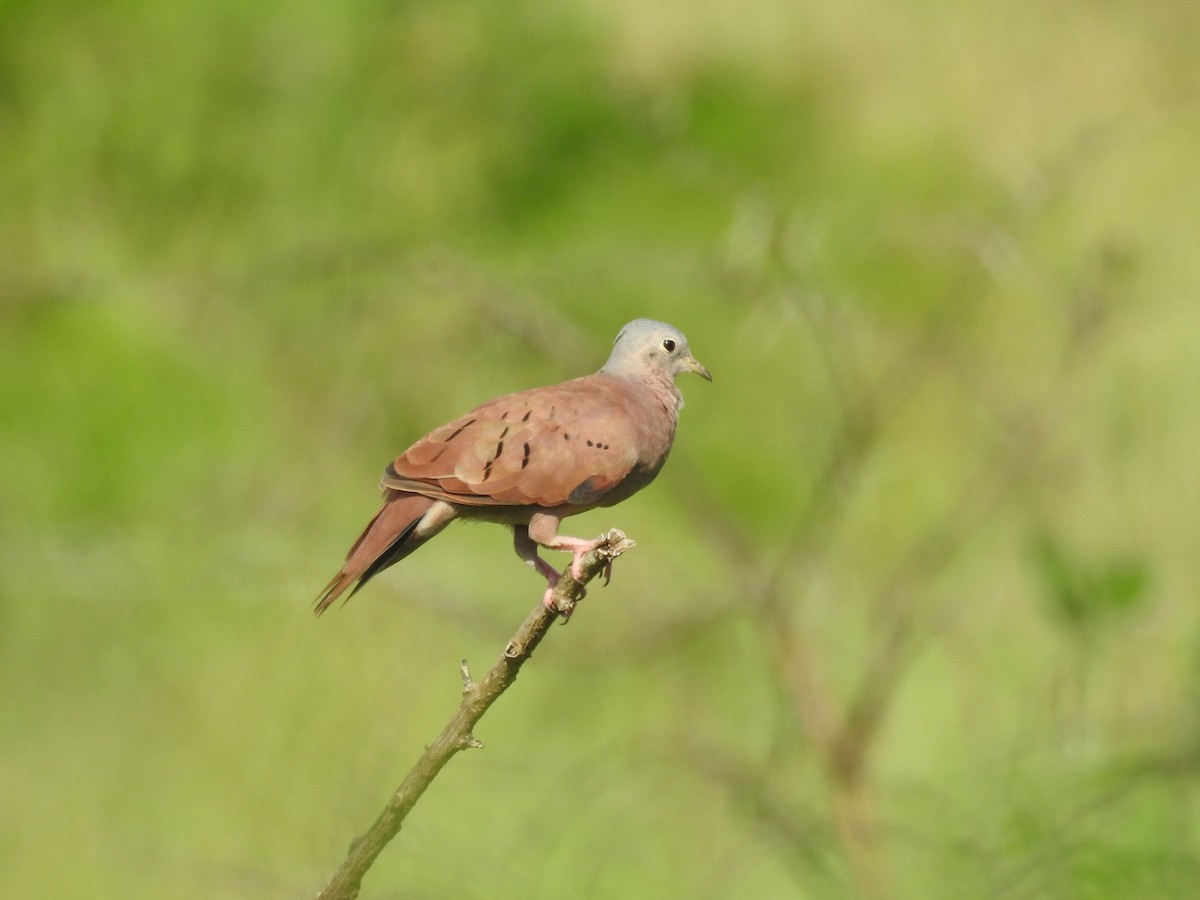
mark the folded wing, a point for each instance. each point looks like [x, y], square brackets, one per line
[569, 444]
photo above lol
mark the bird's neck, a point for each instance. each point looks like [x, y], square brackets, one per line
[665, 393]
[658, 388]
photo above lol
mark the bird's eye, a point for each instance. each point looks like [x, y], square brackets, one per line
[669, 345]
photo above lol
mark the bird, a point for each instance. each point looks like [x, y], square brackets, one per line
[530, 459]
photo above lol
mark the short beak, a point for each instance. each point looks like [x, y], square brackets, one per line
[693, 365]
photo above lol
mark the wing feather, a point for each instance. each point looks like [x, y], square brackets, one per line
[569, 444]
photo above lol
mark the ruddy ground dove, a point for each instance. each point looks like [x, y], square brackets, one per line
[530, 459]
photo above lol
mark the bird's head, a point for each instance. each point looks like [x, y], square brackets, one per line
[646, 348]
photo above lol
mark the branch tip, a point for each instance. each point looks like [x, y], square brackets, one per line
[598, 560]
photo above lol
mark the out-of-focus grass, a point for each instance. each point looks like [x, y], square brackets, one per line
[250, 252]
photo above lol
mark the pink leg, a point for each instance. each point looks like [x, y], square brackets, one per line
[543, 529]
[527, 550]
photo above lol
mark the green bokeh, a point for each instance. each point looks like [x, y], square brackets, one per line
[941, 261]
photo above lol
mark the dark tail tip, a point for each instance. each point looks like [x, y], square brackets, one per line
[354, 573]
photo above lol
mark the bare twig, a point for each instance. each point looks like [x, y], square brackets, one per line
[458, 733]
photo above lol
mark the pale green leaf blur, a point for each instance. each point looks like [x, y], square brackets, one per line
[913, 611]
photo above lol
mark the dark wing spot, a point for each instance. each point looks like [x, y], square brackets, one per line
[487, 468]
[525, 458]
[566, 437]
[590, 443]
[500, 444]
[528, 413]
[465, 425]
[438, 455]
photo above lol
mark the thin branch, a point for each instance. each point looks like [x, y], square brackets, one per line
[458, 733]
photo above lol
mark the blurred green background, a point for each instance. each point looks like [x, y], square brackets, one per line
[913, 611]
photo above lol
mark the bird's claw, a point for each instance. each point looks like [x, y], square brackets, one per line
[551, 606]
[579, 551]
[577, 566]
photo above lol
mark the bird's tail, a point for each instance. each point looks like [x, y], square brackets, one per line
[387, 539]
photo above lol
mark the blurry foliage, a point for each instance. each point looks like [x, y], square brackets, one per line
[143, 419]
[1082, 595]
[941, 262]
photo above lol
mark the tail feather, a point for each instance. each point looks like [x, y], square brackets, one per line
[387, 539]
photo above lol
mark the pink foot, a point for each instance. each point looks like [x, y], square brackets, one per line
[579, 548]
[548, 602]
[525, 542]
[577, 564]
